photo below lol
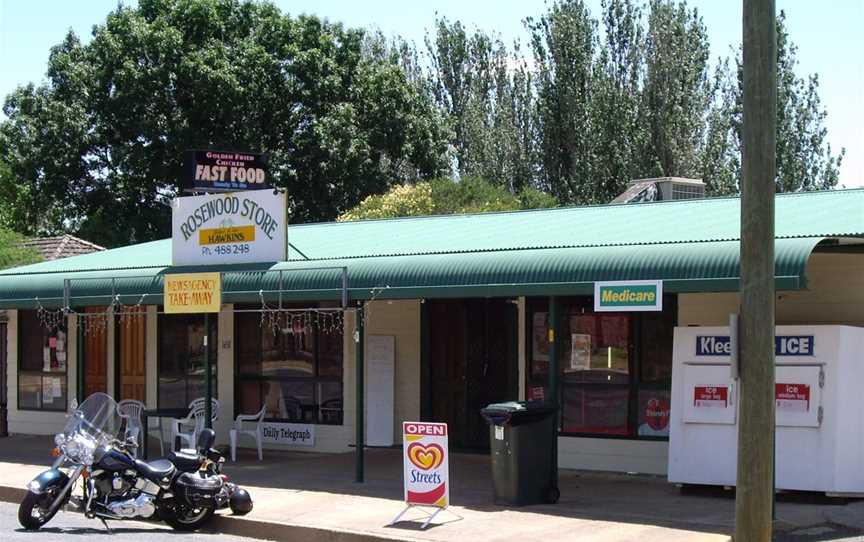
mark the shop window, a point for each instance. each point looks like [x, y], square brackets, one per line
[615, 368]
[293, 368]
[182, 376]
[42, 362]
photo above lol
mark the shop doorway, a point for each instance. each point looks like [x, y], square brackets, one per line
[473, 349]
[95, 357]
[4, 426]
[131, 361]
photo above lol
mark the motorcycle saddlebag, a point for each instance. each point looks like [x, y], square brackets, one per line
[198, 491]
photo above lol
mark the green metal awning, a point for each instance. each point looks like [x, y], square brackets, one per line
[692, 267]
[693, 245]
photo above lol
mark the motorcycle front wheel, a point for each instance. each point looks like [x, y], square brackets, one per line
[190, 519]
[35, 510]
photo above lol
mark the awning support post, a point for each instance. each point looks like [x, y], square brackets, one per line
[80, 388]
[208, 398]
[554, 394]
[360, 413]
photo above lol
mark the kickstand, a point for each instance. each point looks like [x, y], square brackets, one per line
[105, 523]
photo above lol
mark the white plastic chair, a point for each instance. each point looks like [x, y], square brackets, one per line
[257, 432]
[187, 429]
[130, 410]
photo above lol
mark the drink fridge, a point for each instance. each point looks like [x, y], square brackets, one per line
[819, 400]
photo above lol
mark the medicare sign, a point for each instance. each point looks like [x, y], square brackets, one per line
[628, 296]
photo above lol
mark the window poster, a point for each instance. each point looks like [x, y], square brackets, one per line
[580, 352]
[540, 336]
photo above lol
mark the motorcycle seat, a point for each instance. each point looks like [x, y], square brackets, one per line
[156, 471]
[186, 460]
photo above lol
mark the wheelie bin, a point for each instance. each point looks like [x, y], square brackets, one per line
[521, 440]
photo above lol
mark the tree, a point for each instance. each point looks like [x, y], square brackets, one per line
[100, 145]
[13, 252]
[805, 160]
[619, 134]
[444, 197]
[564, 41]
[676, 92]
[485, 90]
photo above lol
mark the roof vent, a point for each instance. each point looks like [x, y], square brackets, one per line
[662, 189]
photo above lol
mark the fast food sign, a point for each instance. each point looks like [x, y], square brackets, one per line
[228, 228]
[425, 460]
[221, 171]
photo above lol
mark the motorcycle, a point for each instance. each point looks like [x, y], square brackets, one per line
[115, 485]
[208, 461]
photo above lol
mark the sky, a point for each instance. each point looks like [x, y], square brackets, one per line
[829, 36]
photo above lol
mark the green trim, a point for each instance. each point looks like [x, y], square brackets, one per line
[360, 395]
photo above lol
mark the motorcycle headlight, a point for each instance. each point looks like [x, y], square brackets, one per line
[71, 449]
[59, 439]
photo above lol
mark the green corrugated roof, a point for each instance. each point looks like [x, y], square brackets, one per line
[691, 244]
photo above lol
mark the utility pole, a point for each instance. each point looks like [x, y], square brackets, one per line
[755, 484]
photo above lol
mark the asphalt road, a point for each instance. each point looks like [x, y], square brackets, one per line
[71, 526]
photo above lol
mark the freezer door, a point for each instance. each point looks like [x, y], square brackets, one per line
[798, 395]
[709, 394]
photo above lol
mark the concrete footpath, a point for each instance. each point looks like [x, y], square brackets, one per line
[313, 498]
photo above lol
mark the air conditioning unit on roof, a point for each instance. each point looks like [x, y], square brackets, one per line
[662, 189]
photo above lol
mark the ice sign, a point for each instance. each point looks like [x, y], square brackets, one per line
[784, 345]
[710, 396]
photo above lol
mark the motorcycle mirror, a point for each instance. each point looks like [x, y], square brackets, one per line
[205, 440]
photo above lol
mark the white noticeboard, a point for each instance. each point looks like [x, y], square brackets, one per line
[235, 227]
[426, 468]
[380, 367]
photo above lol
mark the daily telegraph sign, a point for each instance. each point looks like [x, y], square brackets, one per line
[222, 171]
[241, 227]
[628, 296]
[288, 434]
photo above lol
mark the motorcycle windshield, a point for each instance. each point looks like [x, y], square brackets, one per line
[95, 418]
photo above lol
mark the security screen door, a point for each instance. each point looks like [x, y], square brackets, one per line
[473, 358]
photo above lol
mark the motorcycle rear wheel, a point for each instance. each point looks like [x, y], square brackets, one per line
[190, 519]
[39, 503]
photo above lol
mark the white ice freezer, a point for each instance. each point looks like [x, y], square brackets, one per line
[819, 397]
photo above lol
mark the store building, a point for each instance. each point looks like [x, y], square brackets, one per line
[456, 316]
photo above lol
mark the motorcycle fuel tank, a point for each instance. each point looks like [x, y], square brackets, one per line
[113, 460]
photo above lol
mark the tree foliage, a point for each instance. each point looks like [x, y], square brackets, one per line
[100, 145]
[348, 116]
[13, 252]
[627, 94]
[445, 197]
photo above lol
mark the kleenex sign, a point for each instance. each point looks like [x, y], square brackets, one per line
[784, 345]
[289, 434]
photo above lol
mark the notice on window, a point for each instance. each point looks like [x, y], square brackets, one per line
[710, 397]
[536, 393]
[792, 397]
[540, 336]
[580, 352]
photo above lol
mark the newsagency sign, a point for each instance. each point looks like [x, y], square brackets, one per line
[242, 227]
[215, 171]
[628, 296]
